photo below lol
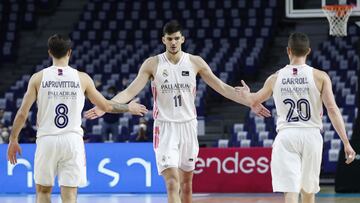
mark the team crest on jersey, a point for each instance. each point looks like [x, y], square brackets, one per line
[165, 73]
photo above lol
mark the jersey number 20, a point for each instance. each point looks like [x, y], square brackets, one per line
[303, 110]
[61, 119]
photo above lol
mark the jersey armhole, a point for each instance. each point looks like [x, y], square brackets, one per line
[79, 79]
[276, 80]
[158, 58]
[313, 70]
[41, 80]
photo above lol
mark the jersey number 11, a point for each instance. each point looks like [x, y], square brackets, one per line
[177, 100]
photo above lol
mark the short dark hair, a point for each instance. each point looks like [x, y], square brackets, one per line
[299, 44]
[172, 27]
[59, 45]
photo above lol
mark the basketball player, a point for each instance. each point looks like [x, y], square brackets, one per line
[60, 94]
[299, 92]
[173, 75]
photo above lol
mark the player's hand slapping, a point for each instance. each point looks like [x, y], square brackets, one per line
[258, 109]
[13, 149]
[134, 108]
[94, 113]
[350, 154]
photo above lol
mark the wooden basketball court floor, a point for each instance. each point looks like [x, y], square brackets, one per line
[322, 197]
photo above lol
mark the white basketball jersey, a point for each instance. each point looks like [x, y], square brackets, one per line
[297, 99]
[174, 90]
[60, 102]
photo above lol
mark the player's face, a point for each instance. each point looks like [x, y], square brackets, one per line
[173, 42]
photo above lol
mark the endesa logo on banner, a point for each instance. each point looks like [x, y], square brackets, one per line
[113, 168]
[233, 170]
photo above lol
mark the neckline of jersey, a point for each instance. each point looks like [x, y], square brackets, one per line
[175, 64]
[296, 65]
[60, 67]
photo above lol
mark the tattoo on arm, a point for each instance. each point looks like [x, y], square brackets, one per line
[118, 107]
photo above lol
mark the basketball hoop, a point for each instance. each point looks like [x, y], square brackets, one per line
[337, 15]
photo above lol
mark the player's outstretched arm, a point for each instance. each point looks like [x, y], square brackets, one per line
[260, 96]
[133, 89]
[143, 76]
[335, 115]
[106, 105]
[21, 116]
[222, 88]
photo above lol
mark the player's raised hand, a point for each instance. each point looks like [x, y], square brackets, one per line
[243, 90]
[258, 109]
[350, 154]
[13, 149]
[94, 113]
[137, 109]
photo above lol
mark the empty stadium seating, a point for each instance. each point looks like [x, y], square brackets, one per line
[113, 38]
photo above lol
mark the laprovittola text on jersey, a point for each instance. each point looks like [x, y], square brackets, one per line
[60, 84]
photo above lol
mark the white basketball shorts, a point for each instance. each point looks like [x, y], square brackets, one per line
[175, 145]
[62, 156]
[296, 160]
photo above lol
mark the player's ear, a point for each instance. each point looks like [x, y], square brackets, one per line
[163, 39]
[288, 50]
[182, 39]
[308, 52]
[50, 53]
[69, 52]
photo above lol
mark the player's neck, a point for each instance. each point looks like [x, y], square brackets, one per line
[63, 62]
[298, 60]
[174, 58]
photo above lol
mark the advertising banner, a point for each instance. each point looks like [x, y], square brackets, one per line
[111, 168]
[233, 170]
[131, 168]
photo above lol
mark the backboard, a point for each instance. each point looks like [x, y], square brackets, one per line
[312, 9]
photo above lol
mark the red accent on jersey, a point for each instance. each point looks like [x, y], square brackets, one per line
[295, 71]
[156, 109]
[194, 93]
[156, 137]
[60, 71]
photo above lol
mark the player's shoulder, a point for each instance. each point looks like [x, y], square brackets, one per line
[274, 76]
[318, 71]
[151, 60]
[319, 74]
[83, 75]
[197, 60]
[271, 79]
[37, 76]
[194, 57]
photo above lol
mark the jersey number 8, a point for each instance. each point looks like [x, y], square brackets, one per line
[61, 118]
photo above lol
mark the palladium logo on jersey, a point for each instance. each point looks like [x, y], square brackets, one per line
[171, 87]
